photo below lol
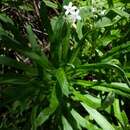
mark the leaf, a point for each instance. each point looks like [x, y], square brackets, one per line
[110, 3]
[105, 40]
[62, 80]
[51, 4]
[14, 79]
[81, 121]
[125, 118]
[108, 101]
[104, 22]
[6, 19]
[45, 20]
[76, 51]
[47, 112]
[65, 2]
[41, 60]
[4, 60]
[101, 66]
[56, 44]
[100, 119]
[9, 42]
[88, 99]
[118, 89]
[33, 117]
[117, 111]
[66, 125]
[32, 39]
[26, 7]
[115, 51]
[15, 45]
[121, 13]
[8, 24]
[61, 40]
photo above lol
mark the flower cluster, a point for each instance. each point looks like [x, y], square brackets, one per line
[72, 12]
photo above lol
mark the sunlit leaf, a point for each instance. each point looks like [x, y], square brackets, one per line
[100, 119]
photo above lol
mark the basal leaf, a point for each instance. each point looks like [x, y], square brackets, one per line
[117, 111]
[100, 119]
[88, 99]
[4, 60]
[84, 123]
[47, 112]
[6, 19]
[45, 20]
[62, 80]
[32, 39]
[51, 4]
[66, 125]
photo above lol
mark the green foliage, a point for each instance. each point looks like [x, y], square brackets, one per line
[82, 81]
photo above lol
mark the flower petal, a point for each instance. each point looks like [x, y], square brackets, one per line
[70, 4]
[65, 7]
[78, 17]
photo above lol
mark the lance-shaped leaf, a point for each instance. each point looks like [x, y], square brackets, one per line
[7, 61]
[62, 80]
[47, 112]
[45, 20]
[100, 119]
[66, 125]
[32, 39]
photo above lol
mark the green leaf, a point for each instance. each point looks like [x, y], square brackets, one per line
[33, 117]
[104, 22]
[76, 51]
[4, 60]
[105, 40]
[56, 44]
[121, 13]
[6, 19]
[66, 125]
[8, 24]
[100, 119]
[117, 111]
[88, 99]
[10, 42]
[32, 39]
[113, 87]
[81, 121]
[125, 118]
[60, 42]
[62, 80]
[45, 20]
[101, 66]
[47, 112]
[108, 101]
[41, 60]
[51, 4]
[110, 3]
[14, 79]
[26, 7]
[15, 45]
[115, 51]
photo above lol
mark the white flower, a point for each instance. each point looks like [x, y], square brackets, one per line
[69, 8]
[72, 12]
[75, 16]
